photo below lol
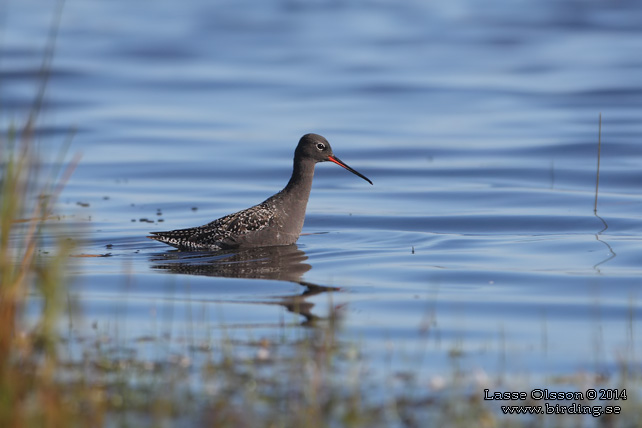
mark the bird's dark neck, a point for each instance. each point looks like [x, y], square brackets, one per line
[301, 180]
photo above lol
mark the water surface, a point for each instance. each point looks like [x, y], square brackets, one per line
[477, 246]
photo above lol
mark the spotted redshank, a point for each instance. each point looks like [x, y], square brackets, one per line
[276, 221]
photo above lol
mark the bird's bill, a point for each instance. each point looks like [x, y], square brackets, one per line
[339, 162]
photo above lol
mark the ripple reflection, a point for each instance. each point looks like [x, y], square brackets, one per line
[282, 263]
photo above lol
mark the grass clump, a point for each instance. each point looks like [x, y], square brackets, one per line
[28, 355]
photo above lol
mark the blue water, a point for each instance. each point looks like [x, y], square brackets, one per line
[477, 123]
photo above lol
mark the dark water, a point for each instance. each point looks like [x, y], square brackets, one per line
[478, 124]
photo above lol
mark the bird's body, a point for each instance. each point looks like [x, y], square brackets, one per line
[276, 221]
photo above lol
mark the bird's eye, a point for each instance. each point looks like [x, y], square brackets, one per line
[320, 146]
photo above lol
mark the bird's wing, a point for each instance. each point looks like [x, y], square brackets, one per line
[226, 230]
[221, 233]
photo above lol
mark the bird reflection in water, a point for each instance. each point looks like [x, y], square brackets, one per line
[282, 263]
